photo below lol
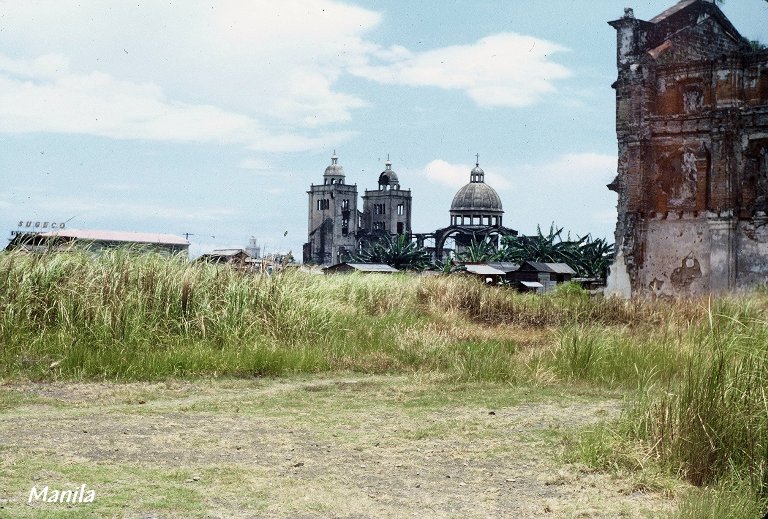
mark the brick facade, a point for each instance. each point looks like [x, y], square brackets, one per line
[692, 129]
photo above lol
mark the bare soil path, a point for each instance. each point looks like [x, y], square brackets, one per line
[346, 446]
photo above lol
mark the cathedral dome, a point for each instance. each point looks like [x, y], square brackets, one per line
[388, 177]
[477, 197]
[334, 169]
[476, 204]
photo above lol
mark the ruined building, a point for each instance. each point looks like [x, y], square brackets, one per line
[387, 209]
[476, 215]
[337, 229]
[692, 128]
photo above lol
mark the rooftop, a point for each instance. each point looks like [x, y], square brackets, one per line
[365, 267]
[554, 268]
[484, 270]
[118, 236]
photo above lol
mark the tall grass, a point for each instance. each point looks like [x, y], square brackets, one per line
[699, 368]
[711, 424]
[701, 410]
[123, 315]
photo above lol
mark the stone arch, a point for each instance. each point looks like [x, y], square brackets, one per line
[477, 233]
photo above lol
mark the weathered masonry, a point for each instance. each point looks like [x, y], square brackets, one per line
[692, 128]
[337, 229]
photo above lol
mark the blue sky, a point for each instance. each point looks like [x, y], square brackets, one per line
[213, 118]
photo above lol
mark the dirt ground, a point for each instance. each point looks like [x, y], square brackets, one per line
[344, 446]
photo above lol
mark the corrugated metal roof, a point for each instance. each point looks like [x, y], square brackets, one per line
[227, 252]
[561, 268]
[506, 266]
[484, 270]
[555, 268]
[538, 266]
[118, 236]
[372, 267]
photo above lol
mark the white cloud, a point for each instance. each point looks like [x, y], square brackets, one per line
[276, 60]
[236, 71]
[43, 95]
[46, 66]
[505, 69]
[447, 174]
[577, 168]
[456, 175]
[607, 216]
[164, 212]
[568, 190]
[254, 164]
[98, 104]
[87, 208]
[262, 168]
[257, 73]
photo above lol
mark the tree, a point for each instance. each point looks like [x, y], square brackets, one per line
[400, 253]
[447, 267]
[587, 256]
[479, 252]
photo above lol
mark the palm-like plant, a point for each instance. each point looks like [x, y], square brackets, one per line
[400, 253]
[479, 252]
[587, 256]
[447, 267]
[597, 255]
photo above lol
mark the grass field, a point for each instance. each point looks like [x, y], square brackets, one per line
[309, 446]
[692, 428]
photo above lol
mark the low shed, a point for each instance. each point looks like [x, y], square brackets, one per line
[489, 274]
[237, 257]
[97, 241]
[548, 274]
[368, 268]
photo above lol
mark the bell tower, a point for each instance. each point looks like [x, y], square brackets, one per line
[387, 210]
[333, 222]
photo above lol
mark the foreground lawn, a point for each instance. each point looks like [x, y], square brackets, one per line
[317, 446]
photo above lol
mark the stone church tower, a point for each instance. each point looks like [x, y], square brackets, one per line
[337, 229]
[692, 129]
[387, 210]
[333, 218]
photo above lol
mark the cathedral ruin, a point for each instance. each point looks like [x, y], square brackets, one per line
[337, 229]
[692, 129]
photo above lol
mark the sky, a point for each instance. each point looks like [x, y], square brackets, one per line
[212, 119]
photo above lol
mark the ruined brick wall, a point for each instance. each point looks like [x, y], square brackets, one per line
[692, 130]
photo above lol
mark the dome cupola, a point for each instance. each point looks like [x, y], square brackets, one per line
[334, 173]
[476, 203]
[388, 178]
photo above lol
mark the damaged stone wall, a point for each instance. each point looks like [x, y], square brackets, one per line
[692, 175]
